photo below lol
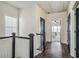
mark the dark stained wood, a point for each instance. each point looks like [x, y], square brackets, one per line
[22, 37]
[31, 45]
[68, 32]
[5, 37]
[65, 51]
[42, 24]
[13, 45]
[55, 50]
[77, 32]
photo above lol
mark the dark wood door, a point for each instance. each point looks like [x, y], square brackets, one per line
[68, 30]
[77, 32]
[42, 36]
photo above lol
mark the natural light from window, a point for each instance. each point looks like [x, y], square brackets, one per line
[10, 25]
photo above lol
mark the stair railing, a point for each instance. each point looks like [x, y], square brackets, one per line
[31, 43]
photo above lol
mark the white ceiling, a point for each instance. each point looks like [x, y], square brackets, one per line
[55, 6]
[48, 6]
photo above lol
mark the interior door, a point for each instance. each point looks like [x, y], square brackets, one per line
[77, 32]
[68, 30]
[42, 32]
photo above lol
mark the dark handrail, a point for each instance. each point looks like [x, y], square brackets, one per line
[22, 37]
[6, 37]
[31, 38]
[39, 34]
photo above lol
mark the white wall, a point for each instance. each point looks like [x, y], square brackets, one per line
[5, 45]
[26, 22]
[61, 16]
[6, 10]
[30, 23]
[39, 13]
[72, 29]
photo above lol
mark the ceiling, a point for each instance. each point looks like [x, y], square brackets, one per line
[56, 22]
[55, 6]
[48, 6]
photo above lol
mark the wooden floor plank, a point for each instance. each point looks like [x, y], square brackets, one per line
[55, 50]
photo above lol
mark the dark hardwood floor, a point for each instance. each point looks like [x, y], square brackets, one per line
[55, 50]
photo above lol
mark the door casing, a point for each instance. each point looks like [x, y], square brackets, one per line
[43, 39]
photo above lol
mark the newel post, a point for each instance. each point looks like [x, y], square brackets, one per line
[31, 43]
[13, 45]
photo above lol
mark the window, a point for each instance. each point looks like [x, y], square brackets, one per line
[55, 28]
[10, 25]
[58, 28]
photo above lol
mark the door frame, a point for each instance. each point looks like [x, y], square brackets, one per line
[77, 38]
[44, 37]
[68, 32]
[75, 8]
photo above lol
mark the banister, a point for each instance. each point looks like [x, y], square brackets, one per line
[6, 37]
[31, 43]
[22, 37]
[13, 45]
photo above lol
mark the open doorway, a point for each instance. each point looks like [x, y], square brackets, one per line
[56, 27]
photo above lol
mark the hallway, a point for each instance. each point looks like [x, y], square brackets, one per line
[54, 50]
[31, 26]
